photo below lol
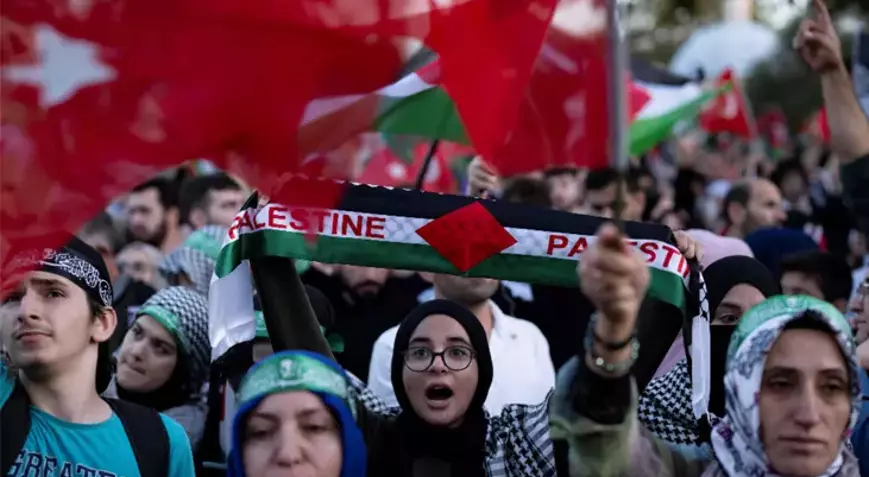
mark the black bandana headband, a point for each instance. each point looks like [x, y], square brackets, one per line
[75, 261]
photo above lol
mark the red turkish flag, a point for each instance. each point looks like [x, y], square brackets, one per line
[486, 64]
[385, 168]
[100, 95]
[729, 112]
[564, 118]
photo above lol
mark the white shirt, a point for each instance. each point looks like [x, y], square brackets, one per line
[523, 371]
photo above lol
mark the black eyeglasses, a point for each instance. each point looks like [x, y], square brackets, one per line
[420, 359]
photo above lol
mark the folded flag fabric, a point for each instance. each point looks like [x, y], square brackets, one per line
[668, 105]
[730, 112]
[98, 99]
[412, 230]
[419, 105]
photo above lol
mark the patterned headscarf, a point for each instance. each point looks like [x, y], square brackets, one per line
[196, 257]
[736, 438]
[184, 313]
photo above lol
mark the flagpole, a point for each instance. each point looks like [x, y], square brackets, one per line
[423, 170]
[617, 107]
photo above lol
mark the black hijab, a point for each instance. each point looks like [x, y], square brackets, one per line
[721, 276]
[413, 442]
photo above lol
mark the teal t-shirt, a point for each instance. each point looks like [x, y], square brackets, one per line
[57, 448]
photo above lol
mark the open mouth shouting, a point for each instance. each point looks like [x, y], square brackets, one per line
[438, 396]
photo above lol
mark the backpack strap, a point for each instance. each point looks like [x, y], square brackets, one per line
[15, 419]
[148, 437]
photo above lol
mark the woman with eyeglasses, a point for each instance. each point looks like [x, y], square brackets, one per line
[441, 373]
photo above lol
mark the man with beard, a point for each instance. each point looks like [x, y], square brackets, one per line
[601, 191]
[367, 302]
[101, 234]
[751, 205]
[523, 371]
[212, 199]
[151, 213]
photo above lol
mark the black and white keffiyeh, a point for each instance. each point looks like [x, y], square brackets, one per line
[665, 407]
[196, 257]
[184, 313]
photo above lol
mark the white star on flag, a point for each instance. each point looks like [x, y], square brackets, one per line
[65, 65]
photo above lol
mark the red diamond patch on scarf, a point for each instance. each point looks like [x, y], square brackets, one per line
[467, 236]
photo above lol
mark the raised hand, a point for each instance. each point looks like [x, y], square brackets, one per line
[687, 246]
[817, 41]
[482, 178]
[614, 278]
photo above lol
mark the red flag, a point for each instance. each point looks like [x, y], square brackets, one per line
[99, 96]
[564, 119]
[729, 112]
[387, 169]
[817, 126]
[487, 50]
[773, 126]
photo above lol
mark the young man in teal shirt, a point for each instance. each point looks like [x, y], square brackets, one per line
[55, 327]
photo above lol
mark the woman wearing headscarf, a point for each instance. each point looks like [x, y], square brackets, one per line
[788, 411]
[163, 360]
[296, 417]
[192, 264]
[715, 247]
[441, 373]
[734, 284]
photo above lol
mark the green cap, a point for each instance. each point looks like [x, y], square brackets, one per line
[168, 319]
[781, 306]
[205, 243]
[292, 371]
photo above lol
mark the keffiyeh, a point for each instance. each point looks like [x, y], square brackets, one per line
[665, 407]
[196, 257]
[184, 313]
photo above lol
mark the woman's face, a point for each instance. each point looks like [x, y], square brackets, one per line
[147, 356]
[805, 403]
[735, 303]
[292, 434]
[440, 395]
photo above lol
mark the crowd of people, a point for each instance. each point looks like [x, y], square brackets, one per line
[108, 367]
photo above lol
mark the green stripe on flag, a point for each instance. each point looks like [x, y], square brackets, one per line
[430, 113]
[646, 133]
[665, 285]
[394, 241]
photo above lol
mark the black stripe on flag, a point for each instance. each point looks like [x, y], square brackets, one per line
[425, 205]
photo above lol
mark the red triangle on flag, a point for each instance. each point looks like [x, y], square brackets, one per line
[467, 236]
[638, 97]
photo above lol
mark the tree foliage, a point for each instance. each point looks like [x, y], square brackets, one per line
[786, 82]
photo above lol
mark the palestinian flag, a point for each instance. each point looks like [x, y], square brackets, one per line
[418, 105]
[668, 105]
[412, 230]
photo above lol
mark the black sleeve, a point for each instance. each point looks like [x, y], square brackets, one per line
[855, 185]
[602, 399]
